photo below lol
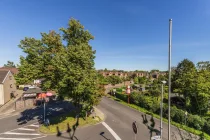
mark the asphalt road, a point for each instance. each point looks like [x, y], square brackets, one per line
[117, 125]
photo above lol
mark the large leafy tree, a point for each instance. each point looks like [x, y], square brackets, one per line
[65, 62]
[10, 64]
[201, 96]
[183, 81]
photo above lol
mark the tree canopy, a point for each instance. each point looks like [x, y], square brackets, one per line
[65, 61]
[10, 64]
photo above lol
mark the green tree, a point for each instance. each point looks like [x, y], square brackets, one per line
[183, 81]
[203, 65]
[65, 61]
[200, 98]
[10, 64]
[114, 80]
[142, 80]
[136, 80]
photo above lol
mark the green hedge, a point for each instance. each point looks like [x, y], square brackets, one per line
[152, 104]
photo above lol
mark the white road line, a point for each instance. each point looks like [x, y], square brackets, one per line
[34, 125]
[14, 139]
[111, 131]
[27, 129]
[39, 137]
[13, 133]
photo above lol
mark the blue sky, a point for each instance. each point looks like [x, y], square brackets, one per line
[129, 34]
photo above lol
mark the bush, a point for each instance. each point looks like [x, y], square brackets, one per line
[195, 121]
[177, 115]
[123, 97]
[206, 127]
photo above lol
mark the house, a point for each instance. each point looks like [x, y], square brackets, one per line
[7, 86]
[13, 70]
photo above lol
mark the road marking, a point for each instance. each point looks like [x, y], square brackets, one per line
[13, 133]
[14, 139]
[27, 129]
[111, 131]
[34, 125]
[39, 137]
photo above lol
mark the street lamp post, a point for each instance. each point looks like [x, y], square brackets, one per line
[186, 113]
[161, 109]
[169, 80]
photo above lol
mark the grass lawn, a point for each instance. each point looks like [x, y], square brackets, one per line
[62, 120]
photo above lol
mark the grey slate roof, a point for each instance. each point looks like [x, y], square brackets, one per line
[3, 74]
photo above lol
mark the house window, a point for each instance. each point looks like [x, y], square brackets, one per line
[11, 86]
[10, 78]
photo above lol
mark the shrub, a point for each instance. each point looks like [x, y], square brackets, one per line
[177, 115]
[195, 121]
[206, 127]
[123, 97]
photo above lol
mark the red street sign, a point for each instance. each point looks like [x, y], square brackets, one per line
[128, 90]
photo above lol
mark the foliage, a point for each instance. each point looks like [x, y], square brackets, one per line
[65, 62]
[102, 80]
[114, 80]
[136, 80]
[203, 65]
[183, 81]
[142, 80]
[10, 64]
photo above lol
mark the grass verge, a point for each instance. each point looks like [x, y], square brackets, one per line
[188, 129]
[62, 120]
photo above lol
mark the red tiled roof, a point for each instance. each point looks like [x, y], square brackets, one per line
[3, 74]
[13, 70]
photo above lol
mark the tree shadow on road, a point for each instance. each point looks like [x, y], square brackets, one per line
[69, 130]
[151, 126]
[52, 109]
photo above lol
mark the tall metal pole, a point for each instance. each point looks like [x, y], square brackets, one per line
[169, 80]
[44, 111]
[161, 113]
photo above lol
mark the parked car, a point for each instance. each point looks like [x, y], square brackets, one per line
[25, 88]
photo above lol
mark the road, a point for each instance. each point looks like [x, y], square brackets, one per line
[117, 125]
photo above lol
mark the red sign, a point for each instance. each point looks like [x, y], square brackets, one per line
[128, 90]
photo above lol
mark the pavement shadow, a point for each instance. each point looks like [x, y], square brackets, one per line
[102, 134]
[69, 130]
[51, 109]
[151, 126]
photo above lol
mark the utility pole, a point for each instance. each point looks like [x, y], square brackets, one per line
[161, 109]
[169, 80]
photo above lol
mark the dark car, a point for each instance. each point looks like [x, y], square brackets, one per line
[25, 88]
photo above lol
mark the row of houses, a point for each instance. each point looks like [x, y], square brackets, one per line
[125, 74]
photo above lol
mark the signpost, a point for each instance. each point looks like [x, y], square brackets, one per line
[128, 91]
[135, 129]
